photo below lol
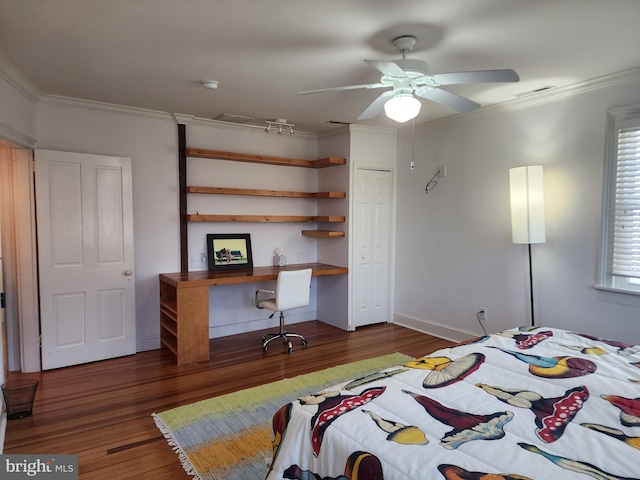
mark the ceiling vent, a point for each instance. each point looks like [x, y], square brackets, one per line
[537, 90]
[228, 117]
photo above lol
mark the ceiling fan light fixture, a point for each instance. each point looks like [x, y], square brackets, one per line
[402, 108]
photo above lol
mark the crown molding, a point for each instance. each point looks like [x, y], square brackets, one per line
[18, 81]
[180, 118]
[392, 132]
[14, 136]
[183, 119]
[560, 93]
[548, 96]
[236, 127]
[339, 129]
[90, 105]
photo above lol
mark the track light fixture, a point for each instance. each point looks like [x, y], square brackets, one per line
[279, 122]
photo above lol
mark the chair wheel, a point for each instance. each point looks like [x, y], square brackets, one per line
[264, 348]
[290, 348]
[304, 342]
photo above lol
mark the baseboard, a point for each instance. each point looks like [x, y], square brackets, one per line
[435, 329]
[266, 324]
[152, 342]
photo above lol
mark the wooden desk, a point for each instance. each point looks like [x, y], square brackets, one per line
[184, 304]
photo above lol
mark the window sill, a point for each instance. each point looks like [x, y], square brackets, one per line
[618, 295]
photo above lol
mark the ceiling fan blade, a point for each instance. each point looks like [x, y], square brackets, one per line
[376, 106]
[387, 68]
[479, 76]
[349, 87]
[448, 99]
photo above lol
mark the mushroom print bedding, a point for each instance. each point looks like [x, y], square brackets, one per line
[528, 403]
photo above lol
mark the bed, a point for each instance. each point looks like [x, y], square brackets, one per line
[527, 403]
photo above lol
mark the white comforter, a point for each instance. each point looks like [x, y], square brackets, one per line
[526, 403]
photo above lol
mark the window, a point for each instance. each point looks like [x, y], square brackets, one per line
[620, 265]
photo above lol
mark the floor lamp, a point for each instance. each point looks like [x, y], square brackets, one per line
[527, 212]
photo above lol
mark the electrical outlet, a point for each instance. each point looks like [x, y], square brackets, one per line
[413, 164]
[482, 314]
[199, 262]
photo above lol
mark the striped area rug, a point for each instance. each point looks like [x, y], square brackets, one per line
[228, 437]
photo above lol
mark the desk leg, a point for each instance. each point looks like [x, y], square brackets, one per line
[193, 324]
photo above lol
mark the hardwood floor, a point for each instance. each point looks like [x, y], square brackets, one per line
[102, 411]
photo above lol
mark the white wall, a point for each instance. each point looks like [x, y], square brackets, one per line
[454, 252]
[333, 292]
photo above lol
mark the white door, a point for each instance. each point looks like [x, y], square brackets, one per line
[372, 233]
[85, 256]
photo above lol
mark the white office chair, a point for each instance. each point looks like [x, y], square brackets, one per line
[292, 291]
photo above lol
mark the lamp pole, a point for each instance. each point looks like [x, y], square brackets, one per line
[533, 317]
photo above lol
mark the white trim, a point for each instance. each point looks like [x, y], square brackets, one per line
[435, 329]
[16, 137]
[155, 115]
[616, 118]
[239, 127]
[616, 290]
[183, 119]
[90, 105]
[18, 81]
[265, 323]
[546, 97]
[618, 296]
[339, 130]
[380, 131]
[150, 342]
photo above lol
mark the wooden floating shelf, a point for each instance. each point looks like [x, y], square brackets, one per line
[265, 218]
[264, 159]
[264, 193]
[322, 233]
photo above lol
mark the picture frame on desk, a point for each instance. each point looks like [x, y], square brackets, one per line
[229, 251]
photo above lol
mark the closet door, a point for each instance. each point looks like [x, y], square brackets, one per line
[371, 246]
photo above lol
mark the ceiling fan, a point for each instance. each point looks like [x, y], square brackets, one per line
[409, 78]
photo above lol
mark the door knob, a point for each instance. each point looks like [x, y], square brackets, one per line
[128, 273]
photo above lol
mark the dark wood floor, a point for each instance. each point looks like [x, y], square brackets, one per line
[102, 411]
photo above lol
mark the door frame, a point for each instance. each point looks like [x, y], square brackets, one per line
[19, 249]
[386, 167]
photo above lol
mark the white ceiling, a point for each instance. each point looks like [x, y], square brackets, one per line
[154, 54]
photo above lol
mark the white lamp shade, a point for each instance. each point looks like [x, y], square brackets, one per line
[527, 204]
[402, 107]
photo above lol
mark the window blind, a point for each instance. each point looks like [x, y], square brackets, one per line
[626, 241]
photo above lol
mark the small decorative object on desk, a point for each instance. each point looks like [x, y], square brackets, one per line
[280, 259]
